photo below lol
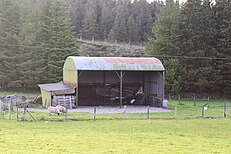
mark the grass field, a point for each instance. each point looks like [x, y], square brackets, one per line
[122, 136]
[130, 136]
[21, 93]
[185, 110]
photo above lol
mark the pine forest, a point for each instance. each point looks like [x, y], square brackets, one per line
[192, 39]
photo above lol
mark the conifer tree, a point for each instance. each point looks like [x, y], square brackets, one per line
[90, 24]
[9, 30]
[31, 57]
[197, 40]
[166, 43]
[222, 10]
[132, 30]
[58, 40]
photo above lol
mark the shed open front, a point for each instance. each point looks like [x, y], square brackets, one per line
[115, 80]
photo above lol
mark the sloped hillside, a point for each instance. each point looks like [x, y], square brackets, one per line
[105, 49]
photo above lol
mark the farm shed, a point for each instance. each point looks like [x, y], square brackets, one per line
[54, 91]
[115, 80]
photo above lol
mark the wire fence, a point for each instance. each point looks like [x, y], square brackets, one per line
[176, 109]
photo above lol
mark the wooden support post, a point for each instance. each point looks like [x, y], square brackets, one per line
[104, 86]
[94, 114]
[121, 88]
[77, 90]
[70, 102]
[179, 98]
[125, 112]
[46, 106]
[194, 100]
[208, 101]
[225, 110]
[148, 112]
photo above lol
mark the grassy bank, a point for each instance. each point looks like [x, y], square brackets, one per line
[153, 136]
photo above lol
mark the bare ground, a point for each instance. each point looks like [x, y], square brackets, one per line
[110, 109]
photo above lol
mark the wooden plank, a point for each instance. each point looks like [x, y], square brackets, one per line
[121, 89]
[31, 115]
[94, 113]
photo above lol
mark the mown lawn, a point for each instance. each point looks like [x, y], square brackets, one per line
[108, 136]
[122, 136]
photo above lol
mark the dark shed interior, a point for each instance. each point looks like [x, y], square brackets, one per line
[103, 88]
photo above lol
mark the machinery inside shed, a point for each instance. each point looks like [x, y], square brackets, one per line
[103, 88]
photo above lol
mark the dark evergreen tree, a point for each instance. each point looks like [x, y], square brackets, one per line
[133, 35]
[77, 14]
[197, 39]
[222, 11]
[107, 19]
[31, 58]
[166, 43]
[9, 30]
[90, 23]
[58, 41]
[119, 29]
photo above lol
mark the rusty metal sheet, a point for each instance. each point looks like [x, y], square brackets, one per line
[53, 87]
[115, 63]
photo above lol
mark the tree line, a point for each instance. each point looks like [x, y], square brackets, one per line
[193, 41]
[35, 39]
[114, 20]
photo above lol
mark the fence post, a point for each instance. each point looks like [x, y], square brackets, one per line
[125, 112]
[1, 107]
[203, 109]
[176, 110]
[24, 113]
[179, 98]
[208, 101]
[9, 108]
[194, 100]
[148, 112]
[225, 109]
[65, 119]
[16, 111]
[94, 114]
[203, 112]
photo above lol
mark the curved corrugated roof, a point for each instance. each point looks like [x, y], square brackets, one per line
[113, 63]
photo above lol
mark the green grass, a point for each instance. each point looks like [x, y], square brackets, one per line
[83, 135]
[21, 93]
[130, 136]
[185, 110]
